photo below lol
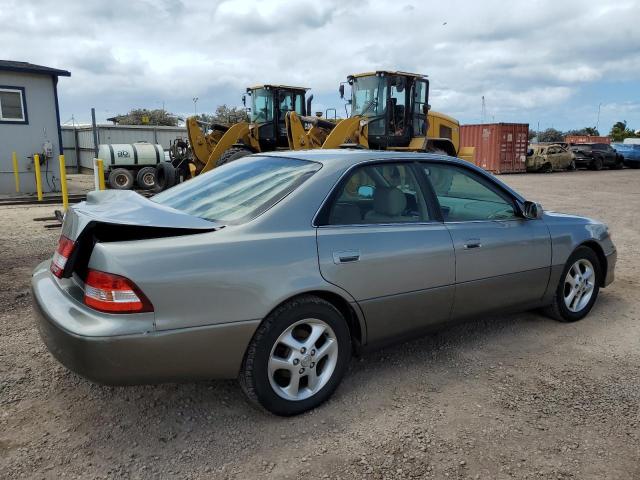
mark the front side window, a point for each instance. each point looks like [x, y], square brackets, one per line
[240, 191]
[261, 105]
[382, 193]
[12, 107]
[464, 196]
[369, 99]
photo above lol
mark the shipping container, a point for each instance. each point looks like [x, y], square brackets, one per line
[586, 139]
[499, 147]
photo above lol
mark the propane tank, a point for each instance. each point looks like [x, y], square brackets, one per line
[130, 154]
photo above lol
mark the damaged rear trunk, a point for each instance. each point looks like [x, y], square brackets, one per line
[120, 215]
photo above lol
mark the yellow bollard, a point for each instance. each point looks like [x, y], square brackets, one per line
[100, 165]
[36, 163]
[16, 172]
[63, 184]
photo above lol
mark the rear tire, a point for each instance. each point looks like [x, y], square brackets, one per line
[577, 289]
[572, 166]
[619, 165]
[234, 153]
[288, 373]
[121, 179]
[146, 178]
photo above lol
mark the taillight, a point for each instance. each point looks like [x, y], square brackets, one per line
[114, 294]
[63, 252]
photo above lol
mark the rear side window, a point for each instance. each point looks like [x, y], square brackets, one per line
[463, 196]
[240, 191]
[378, 194]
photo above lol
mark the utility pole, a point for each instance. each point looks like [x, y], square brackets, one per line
[484, 110]
[598, 121]
[195, 106]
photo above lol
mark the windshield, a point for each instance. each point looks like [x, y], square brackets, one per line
[261, 105]
[240, 191]
[368, 96]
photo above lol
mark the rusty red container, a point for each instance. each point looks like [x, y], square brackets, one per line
[499, 147]
[586, 139]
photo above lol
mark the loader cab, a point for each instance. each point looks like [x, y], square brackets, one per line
[395, 104]
[269, 105]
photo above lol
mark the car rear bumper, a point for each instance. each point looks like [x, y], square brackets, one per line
[207, 352]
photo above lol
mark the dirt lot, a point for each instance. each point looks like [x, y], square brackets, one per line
[519, 396]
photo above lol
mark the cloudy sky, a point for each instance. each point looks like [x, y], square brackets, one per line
[543, 62]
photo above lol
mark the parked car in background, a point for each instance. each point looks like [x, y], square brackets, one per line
[275, 267]
[630, 153]
[545, 157]
[595, 156]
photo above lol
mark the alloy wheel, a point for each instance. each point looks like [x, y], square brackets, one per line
[578, 285]
[303, 359]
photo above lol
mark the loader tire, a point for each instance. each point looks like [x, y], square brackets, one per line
[232, 154]
[165, 176]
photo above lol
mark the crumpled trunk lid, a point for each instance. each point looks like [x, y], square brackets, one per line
[125, 207]
[122, 215]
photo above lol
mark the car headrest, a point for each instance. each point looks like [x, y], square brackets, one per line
[389, 201]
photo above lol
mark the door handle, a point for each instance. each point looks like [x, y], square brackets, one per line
[346, 256]
[472, 243]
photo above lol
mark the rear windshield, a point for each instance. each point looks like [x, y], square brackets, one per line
[239, 191]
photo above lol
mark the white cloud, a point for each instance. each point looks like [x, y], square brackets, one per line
[529, 59]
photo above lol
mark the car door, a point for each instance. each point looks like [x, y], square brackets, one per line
[502, 259]
[381, 241]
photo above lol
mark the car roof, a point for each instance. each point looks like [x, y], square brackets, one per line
[344, 158]
[353, 156]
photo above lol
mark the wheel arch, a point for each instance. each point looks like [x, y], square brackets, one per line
[602, 259]
[355, 321]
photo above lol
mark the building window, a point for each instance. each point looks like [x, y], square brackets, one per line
[12, 105]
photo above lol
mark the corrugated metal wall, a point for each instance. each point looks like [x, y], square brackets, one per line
[499, 147]
[78, 141]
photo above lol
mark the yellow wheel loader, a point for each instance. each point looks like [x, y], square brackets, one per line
[390, 111]
[278, 115]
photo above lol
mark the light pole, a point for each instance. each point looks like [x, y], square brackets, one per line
[598, 121]
[195, 106]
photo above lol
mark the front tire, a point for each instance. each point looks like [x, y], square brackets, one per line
[297, 357]
[578, 288]
[234, 153]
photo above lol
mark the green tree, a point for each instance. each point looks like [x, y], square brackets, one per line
[225, 115]
[584, 131]
[142, 116]
[550, 135]
[620, 131]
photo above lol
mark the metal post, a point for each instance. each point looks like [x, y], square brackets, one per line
[63, 184]
[100, 168]
[36, 163]
[95, 131]
[75, 141]
[16, 172]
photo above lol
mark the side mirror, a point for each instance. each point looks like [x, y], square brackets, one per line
[341, 90]
[365, 191]
[532, 210]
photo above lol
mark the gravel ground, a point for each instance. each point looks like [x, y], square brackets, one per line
[517, 396]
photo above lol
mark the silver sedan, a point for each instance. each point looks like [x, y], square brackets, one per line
[276, 268]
